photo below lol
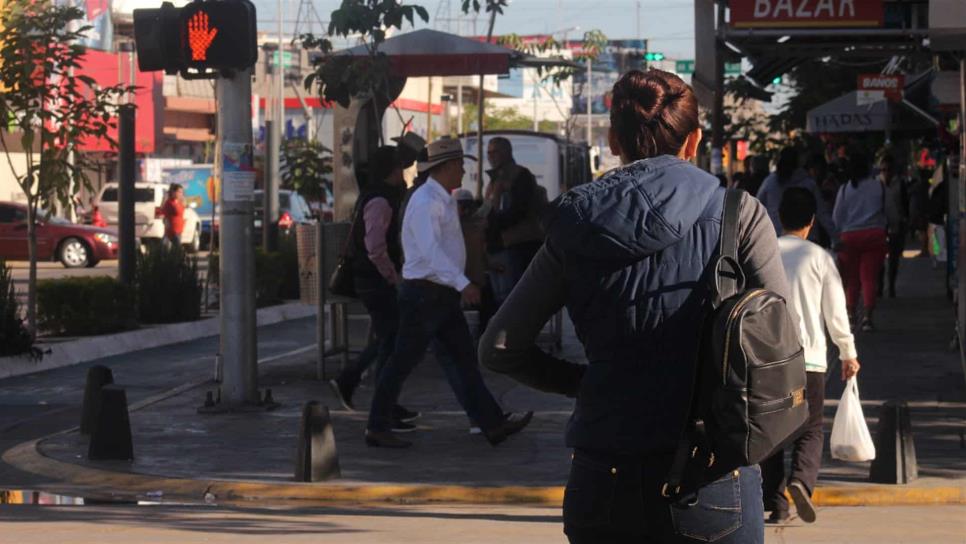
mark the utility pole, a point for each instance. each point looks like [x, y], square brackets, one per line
[536, 89]
[459, 106]
[588, 91]
[717, 113]
[270, 191]
[237, 269]
[125, 195]
[479, 120]
[637, 19]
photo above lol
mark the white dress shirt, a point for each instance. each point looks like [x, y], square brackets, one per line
[432, 238]
[817, 298]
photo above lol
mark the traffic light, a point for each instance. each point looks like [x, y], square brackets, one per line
[213, 35]
[653, 56]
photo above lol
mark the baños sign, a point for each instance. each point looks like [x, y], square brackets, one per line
[806, 13]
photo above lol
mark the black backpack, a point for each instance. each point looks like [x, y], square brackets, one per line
[749, 394]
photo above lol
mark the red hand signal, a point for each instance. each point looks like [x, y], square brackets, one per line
[199, 36]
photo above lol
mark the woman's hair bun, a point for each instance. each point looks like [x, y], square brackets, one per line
[652, 113]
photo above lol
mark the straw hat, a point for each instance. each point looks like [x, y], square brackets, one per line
[442, 151]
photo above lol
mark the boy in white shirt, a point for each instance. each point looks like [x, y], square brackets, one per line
[818, 300]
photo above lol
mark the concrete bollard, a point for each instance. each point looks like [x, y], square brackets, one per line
[97, 376]
[895, 451]
[111, 435]
[316, 457]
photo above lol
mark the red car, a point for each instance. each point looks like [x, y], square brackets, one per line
[73, 245]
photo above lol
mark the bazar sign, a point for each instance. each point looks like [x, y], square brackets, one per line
[806, 13]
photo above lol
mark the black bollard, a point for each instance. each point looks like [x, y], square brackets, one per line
[316, 457]
[97, 376]
[895, 451]
[111, 436]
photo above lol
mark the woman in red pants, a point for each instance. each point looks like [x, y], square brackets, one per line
[860, 218]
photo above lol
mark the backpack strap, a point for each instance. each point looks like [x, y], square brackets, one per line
[729, 279]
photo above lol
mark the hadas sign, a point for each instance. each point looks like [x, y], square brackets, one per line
[806, 13]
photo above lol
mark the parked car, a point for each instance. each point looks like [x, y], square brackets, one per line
[292, 210]
[148, 199]
[75, 246]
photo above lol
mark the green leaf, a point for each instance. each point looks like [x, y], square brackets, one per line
[423, 14]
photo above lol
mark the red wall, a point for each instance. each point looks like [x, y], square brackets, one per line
[102, 66]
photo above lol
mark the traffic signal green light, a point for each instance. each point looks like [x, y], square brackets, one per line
[777, 81]
[211, 35]
[653, 56]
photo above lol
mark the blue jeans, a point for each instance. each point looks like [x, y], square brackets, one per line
[379, 298]
[617, 499]
[429, 312]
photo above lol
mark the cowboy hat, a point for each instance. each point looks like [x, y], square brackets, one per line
[441, 151]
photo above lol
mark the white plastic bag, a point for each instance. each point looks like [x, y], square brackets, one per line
[850, 435]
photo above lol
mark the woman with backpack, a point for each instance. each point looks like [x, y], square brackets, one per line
[861, 219]
[630, 256]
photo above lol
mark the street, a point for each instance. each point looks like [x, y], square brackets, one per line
[52, 270]
[422, 524]
[677, 268]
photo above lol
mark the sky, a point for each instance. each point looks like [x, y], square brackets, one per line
[667, 23]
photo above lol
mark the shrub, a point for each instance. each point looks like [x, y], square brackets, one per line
[85, 306]
[14, 337]
[167, 286]
[276, 272]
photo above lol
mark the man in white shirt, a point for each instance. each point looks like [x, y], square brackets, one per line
[818, 301]
[434, 284]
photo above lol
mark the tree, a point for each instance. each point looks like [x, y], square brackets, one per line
[502, 119]
[594, 42]
[307, 168]
[51, 109]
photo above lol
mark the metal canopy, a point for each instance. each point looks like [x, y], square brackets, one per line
[771, 58]
[775, 51]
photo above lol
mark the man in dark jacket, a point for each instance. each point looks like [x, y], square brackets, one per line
[514, 233]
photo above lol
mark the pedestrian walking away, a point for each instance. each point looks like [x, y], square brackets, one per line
[787, 174]
[626, 255]
[817, 300]
[860, 217]
[173, 212]
[897, 218]
[513, 230]
[376, 260]
[433, 287]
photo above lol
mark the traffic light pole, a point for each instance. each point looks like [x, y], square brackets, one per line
[237, 257]
[127, 250]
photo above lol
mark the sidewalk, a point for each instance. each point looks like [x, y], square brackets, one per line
[251, 456]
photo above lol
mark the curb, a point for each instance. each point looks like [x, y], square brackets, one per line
[27, 457]
[83, 350]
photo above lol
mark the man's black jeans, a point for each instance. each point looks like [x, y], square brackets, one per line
[617, 499]
[429, 312]
[806, 450]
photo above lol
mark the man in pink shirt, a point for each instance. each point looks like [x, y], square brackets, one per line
[376, 256]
